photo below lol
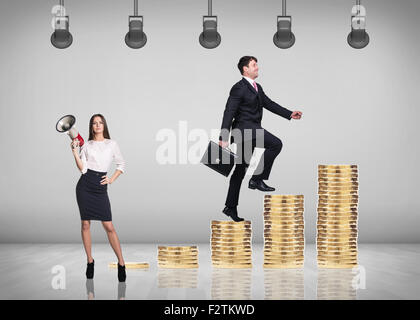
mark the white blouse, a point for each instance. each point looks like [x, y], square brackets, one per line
[98, 156]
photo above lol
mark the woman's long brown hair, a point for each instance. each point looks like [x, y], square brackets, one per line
[92, 133]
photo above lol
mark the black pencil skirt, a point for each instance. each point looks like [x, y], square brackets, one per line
[92, 197]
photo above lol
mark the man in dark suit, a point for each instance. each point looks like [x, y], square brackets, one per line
[245, 108]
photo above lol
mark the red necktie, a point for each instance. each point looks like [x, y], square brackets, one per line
[255, 86]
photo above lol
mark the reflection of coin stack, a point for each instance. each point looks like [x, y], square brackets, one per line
[178, 257]
[231, 244]
[284, 284]
[336, 284]
[177, 278]
[337, 216]
[231, 284]
[283, 231]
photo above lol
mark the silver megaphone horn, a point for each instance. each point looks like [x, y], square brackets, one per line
[66, 124]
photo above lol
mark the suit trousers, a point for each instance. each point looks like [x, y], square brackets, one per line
[272, 146]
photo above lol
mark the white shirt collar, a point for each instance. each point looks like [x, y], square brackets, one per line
[249, 80]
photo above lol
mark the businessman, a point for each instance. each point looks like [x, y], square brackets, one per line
[243, 113]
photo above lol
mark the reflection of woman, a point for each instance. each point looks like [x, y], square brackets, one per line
[95, 158]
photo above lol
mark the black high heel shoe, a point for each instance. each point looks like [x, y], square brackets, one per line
[90, 270]
[121, 273]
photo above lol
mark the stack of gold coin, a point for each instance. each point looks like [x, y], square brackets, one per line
[284, 242]
[231, 244]
[178, 257]
[337, 216]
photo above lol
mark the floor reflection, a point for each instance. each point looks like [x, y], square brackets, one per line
[231, 284]
[90, 290]
[337, 284]
[284, 284]
[177, 278]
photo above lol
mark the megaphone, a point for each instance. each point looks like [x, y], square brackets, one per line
[66, 124]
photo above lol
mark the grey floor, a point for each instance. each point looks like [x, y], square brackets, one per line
[56, 271]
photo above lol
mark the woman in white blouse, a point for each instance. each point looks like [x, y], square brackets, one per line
[96, 156]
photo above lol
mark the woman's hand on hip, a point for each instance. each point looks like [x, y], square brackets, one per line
[106, 180]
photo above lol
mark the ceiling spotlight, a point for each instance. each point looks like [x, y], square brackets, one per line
[284, 37]
[210, 38]
[61, 37]
[135, 37]
[358, 37]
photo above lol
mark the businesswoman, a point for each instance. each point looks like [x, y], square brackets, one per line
[95, 158]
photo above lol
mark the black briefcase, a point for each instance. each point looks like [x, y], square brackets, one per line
[219, 159]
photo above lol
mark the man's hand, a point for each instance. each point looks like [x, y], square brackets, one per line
[296, 115]
[223, 144]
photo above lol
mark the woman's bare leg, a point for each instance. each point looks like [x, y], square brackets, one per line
[113, 240]
[87, 241]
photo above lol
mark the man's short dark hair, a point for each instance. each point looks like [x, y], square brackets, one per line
[244, 62]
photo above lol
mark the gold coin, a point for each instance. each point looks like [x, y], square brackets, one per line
[347, 197]
[229, 240]
[231, 247]
[283, 196]
[179, 266]
[290, 231]
[131, 265]
[286, 262]
[279, 214]
[343, 192]
[338, 210]
[337, 171]
[231, 229]
[297, 206]
[336, 259]
[285, 250]
[282, 235]
[340, 222]
[232, 223]
[335, 255]
[330, 234]
[338, 179]
[269, 217]
[283, 203]
[330, 190]
[290, 256]
[337, 166]
[283, 255]
[344, 183]
[283, 213]
[341, 206]
[179, 261]
[227, 261]
[167, 258]
[333, 202]
[232, 266]
[270, 248]
[343, 220]
[283, 266]
[243, 235]
[177, 248]
[335, 216]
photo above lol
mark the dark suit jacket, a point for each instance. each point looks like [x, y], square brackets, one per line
[245, 108]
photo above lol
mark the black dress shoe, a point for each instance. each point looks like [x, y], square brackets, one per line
[232, 212]
[90, 270]
[260, 185]
[121, 273]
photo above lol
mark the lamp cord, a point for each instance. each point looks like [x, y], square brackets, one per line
[283, 8]
[210, 7]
